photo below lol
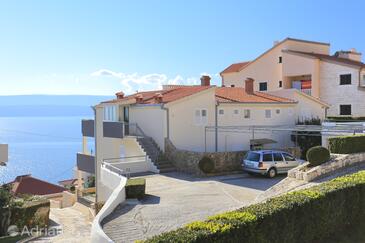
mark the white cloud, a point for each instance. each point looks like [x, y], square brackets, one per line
[135, 81]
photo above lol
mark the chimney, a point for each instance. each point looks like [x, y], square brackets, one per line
[120, 95]
[205, 80]
[249, 85]
[352, 54]
[159, 98]
[139, 98]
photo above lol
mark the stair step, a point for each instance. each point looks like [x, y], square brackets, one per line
[167, 170]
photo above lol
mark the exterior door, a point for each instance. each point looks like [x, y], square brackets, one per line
[279, 162]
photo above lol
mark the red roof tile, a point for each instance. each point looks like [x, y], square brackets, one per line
[229, 94]
[236, 67]
[168, 95]
[329, 58]
[29, 185]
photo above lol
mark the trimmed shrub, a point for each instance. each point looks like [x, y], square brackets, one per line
[206, 165]
[318, 155]
[136, 188]
[308, 215]
[347, 144]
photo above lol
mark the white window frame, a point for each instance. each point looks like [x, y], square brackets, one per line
[268, 114]
[246, 113]
[199, 119]
[110, 113]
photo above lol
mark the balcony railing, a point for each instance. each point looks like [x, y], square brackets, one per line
[86, 163]
[111, 129]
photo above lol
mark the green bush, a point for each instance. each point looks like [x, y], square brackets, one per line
[347, 144]
[308, 215]
[206, 165]
[136, 188]
[318, 155]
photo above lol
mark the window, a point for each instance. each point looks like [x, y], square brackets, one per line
[267, 113]
[278, 157]
[278, 111]
[280, 84]
[251, 156]
[263, 86]
[267, 157]
[110, 113]
[345, 79]
[221, 112]
[232, 85]
[247, 114]
[235, 112]
[288, 157]
[345, 110]
[201, 117]
[280, 59]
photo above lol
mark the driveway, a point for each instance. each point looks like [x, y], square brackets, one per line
[176, 199]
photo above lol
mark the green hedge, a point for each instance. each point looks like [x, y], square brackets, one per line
[206, 165]
[135, 188]
[347, 144]
[318, 155]
[308, 215]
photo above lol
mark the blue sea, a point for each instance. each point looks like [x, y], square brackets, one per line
[45, 147]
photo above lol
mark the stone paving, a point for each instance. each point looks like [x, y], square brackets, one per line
[176, 199]
[74, 227]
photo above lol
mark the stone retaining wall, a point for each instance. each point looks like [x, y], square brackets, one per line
[188, 161]
[338, 161]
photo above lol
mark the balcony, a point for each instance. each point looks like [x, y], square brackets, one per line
[111, 129]
[87, 127]
[86, 163]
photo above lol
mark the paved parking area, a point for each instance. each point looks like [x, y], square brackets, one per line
[176, 199]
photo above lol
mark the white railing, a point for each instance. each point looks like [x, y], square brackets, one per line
[115, 181]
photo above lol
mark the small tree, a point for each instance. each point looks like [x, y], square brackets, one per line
[306, 140]
[5, 196]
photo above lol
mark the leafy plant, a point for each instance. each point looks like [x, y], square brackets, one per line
[307, 215]
[318, 155]
[347, 144]
[206, 165]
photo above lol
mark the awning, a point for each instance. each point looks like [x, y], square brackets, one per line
[262, 141]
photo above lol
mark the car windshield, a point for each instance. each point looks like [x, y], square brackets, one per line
[253, 156]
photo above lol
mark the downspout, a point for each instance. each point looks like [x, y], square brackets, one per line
[216, 126]
[167, 121]
[95, 160]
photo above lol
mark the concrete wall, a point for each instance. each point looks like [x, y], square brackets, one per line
[4, 153]
[335, 94]
[116, 185]
[152, 120]
[184, 132]
[188, 161]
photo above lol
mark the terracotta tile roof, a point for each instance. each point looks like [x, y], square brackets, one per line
[26, 184]
[236, 67]
[167, 95]
[231, 95]
[67, 183]
[329, 58]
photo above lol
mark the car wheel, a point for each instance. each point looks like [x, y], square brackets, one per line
[271, 173]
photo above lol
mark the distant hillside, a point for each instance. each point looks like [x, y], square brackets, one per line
[49, 105]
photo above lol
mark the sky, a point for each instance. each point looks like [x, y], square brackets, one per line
[101, 47]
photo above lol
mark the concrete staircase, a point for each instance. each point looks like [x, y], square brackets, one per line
[155, 154]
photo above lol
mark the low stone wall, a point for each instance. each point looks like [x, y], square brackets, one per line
[188, 161]
[338, 161]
